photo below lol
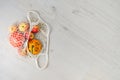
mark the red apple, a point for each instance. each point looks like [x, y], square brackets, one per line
[35, 29]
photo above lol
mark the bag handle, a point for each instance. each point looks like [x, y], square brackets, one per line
[32, 23]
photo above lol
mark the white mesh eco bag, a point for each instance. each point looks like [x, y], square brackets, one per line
[44, 35]
[18, 39]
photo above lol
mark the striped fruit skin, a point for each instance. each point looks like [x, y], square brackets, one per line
[16, 39]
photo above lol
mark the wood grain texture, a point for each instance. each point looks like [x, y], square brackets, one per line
[85, 40]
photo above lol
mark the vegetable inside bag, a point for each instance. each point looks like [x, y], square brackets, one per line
[31, 38]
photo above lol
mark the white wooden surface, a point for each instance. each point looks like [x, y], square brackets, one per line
[85, 40]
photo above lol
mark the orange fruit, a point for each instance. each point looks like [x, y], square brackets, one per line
[35, 46]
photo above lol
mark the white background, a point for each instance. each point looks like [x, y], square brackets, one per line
[84, 44]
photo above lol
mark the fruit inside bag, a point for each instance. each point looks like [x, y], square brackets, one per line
[31, 38]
